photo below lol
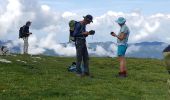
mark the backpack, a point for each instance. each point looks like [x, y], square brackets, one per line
[21, 32]
[72, 25]
[72, 68]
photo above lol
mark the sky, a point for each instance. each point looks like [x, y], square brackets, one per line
[98, 7]
[148, 20]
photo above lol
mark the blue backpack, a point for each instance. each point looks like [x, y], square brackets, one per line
[72, 68]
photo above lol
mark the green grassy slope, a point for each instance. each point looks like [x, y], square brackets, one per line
[46, 78]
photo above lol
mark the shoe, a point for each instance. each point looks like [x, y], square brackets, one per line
[122, 75]
[88, 75]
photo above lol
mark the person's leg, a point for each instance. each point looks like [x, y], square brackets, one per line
[78, 56]
[24, 48]
[122, 60]
[86, 60]
[26, 45]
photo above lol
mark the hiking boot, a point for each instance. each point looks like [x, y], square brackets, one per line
[122, 75]
[88, 75]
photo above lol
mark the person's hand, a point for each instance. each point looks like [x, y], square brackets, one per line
[113, 34]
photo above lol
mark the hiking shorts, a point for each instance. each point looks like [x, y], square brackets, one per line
[121, 50]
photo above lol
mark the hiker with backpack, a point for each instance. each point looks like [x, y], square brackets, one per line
[78, 34]
[122, 39]
[24, 34]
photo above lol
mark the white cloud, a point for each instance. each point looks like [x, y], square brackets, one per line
[143, 28]
[52, 26]
[100, 51]
[68, 14]
[45, 7]
[132, 49]
[39, 46]
[9, 16]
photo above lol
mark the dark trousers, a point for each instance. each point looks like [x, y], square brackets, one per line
[82, 56]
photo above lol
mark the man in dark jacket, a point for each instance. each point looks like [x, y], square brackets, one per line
[26, 34]
[80, 34]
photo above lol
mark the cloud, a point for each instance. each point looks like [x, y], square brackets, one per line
[40, 46]
[68, 14]
[50, 27]
[45, 8]
[46, 20]
[132, 48]
[102, 52]
[143, 28]
[9, 16]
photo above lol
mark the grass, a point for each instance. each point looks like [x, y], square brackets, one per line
[47, 78]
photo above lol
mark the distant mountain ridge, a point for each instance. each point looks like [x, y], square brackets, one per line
[139, 50]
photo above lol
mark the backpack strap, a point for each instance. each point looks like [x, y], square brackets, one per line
[81, 28]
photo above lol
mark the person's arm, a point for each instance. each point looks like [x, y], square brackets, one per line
[27, 31]
[121, 36]
[85, 33]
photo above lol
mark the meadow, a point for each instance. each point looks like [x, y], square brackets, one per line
[46, 78]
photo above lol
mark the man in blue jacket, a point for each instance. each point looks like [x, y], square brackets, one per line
[80, 34]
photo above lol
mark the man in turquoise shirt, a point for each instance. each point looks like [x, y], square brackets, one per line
[122, 39]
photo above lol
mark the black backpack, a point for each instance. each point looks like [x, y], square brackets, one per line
[21, 32]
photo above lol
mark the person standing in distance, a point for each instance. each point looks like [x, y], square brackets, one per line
[25, 35]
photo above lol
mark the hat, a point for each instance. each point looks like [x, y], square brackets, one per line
[28, 22]
[121, 20]
[88, 17]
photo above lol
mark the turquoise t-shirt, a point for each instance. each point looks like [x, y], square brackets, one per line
[124, 29]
